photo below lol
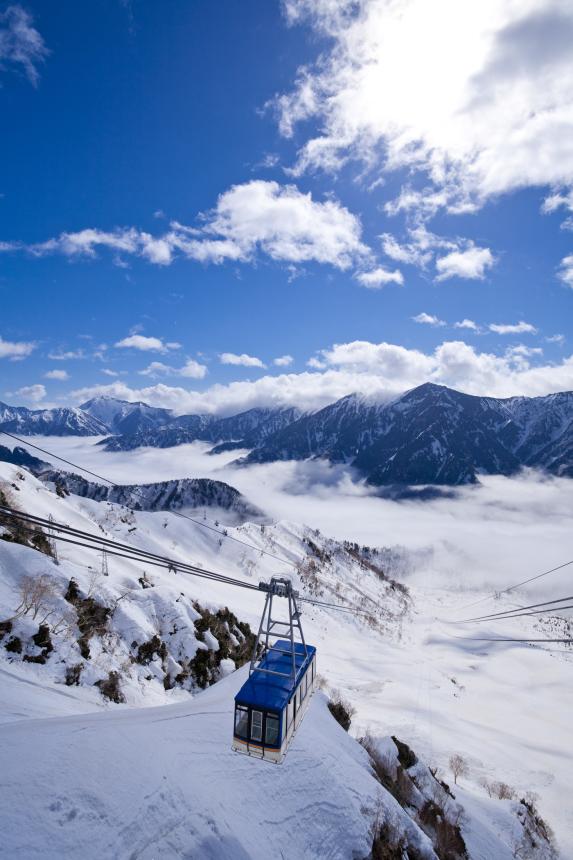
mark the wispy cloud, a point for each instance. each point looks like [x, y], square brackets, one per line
[191, 369]
[16, 350]
[467, 324]
[471, 264]
[21, 45]
[145, 344]
[242, 360]
[31, 393]
[565, 271]
[428, 319]
[379, 277]
[422, 247]
[66, 355]
[513, 328]
[283, 360]
[60, 375]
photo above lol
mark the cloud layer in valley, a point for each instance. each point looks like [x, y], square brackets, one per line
[485, 537]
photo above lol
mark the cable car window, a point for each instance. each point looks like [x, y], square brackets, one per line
[241, 721]
[257, 725]
[271, 730]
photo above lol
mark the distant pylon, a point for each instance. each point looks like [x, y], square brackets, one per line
[104, 567]
[52, 542]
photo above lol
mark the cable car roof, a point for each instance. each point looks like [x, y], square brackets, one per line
[270, 692]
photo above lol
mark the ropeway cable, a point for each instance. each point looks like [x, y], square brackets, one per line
[137, 489]
[99, 543]
[130, 553]
[517, 613]
[517, 585]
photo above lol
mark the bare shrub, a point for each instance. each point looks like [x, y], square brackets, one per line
[14, 645]
[36, 594]
[458, 766]
[393, 777]
[110, 688]
[341, 710]
[73, 674]
[92, 617]
[498, 789]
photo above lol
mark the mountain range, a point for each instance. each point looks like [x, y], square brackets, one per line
[429, 435]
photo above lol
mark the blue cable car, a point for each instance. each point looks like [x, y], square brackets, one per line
[272, 702]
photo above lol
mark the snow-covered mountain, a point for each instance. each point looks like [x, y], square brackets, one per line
[176, 495]
[429, 435]
[64, 421]
[432, 435]
[122, 416]
[245, 430]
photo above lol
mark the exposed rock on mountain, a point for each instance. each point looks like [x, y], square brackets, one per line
[176, 495]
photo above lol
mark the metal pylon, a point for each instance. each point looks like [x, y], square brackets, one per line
[278, 587]
[52, 542]
[104, 567]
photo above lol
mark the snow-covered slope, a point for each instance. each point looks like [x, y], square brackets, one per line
[408, 672]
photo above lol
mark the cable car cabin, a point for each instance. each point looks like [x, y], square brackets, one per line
[272, 702]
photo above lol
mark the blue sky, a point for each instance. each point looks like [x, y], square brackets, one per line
[192, 190]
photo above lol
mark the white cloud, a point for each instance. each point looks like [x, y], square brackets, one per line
[428, 319]
[62, 355]
[565, 271]
[556, 200]
[556, 338]
[145, 344]
[283, 360]
[463, 259]
[467, 324]
[476, 96]
[516, 328]
[411, 253]
[20, 43]
[379, 278]
[16, 350]
[108, 372]
[33, 393]
[378, 369]
[242, 360]
[260, 216]
[191, 369]
[469, 264]
[61, 375]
